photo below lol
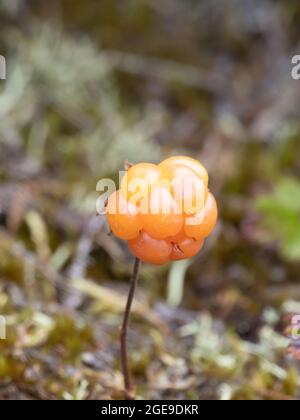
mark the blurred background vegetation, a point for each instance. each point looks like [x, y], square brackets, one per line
[91, 84]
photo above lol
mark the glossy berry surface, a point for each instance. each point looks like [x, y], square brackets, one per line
[123, 217]
[204, 222]
[139, 180]
[164, 218]
[185, 162]
[189, 190]
[150, 250]
[186, 248]
[164, 211]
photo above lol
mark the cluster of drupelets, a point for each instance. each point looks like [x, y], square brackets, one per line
[154, 235]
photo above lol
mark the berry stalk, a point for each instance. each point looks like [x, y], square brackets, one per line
[129, 392]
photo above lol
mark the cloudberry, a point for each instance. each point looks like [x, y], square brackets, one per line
[164, 211]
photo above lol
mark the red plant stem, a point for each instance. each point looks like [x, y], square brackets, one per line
[129, 391]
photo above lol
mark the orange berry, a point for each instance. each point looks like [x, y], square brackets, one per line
[202, 225]
[187, 248]
[161, 217]
[186, 162]
[164, 211]
[123, 217]
[187, 187]
[150, 250]
[139, 180]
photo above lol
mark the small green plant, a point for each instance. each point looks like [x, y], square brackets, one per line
[281, 216]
